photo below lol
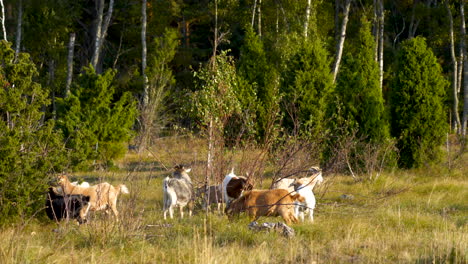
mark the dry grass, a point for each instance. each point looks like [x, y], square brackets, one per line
[416, 216]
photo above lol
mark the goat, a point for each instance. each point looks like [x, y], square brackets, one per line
[101, 196]
[304, 186]
[277, 202]
[233, 186]
[178, 191]
[60, 207]
[211, 195]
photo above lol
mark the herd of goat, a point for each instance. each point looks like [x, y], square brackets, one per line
[292, 199]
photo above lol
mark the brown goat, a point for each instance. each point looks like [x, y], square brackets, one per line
[278, 202]
[101, 196]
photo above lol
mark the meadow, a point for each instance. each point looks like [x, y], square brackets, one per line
[401, 216]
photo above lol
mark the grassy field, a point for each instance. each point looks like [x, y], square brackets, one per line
[418, 216]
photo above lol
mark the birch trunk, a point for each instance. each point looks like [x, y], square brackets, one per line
[18, 28]
[101, 30]
[375, 31]
[456, 118]
[97, 37]
[465, 73]
[3, 21]
[307, 16]
[462, 47]
[71, 47]
[340, 44]
[144, 53]
[381, 41]
[253, 12]
[259, 7]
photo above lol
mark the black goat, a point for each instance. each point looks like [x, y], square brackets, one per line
[60, 207]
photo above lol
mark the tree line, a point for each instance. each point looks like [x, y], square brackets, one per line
[370, 83]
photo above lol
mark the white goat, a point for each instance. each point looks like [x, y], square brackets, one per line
[304, 186]
[178, 191]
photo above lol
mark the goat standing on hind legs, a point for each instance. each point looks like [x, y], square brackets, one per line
[102, 196]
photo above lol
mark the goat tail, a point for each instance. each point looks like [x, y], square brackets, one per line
[123, 189]
[298, 197]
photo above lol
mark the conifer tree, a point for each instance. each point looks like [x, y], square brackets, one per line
[95, 124]
[30, 148]
[306, 85]
[260, 93]
[359, 91]
[357, 113]
[418, 118]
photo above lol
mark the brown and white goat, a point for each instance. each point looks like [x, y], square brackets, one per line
[178, 191]
[233, 186]
[102, 196]
[278, 202]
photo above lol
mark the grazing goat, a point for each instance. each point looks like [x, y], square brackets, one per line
[211, 195]
[233, 186]
[60, 207]
[304, 186]
[101, 196]
[278, 202]
[178, 191]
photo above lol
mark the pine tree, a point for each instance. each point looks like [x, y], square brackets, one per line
[418, 118]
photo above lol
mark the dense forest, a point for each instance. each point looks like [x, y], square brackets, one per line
[366, 84]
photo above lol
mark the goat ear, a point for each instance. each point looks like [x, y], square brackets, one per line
[188, 170]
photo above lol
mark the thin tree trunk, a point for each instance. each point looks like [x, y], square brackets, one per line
[259, 7]
[307, 16]
[18, 28]
[462, 47]
[375, 31]
[101, 30]
[97, 38]
[277, 22]
[456, 118]
[3, 21]
[253, 12]
[144, 53]
[465, 74]
[340, 44]
[381, 42]
[337, 20]
[71, 47]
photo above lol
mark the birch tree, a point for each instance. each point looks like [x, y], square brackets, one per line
[18, 28]
[465, 72]
[307, 16]
[144, 52]
[381, 13]
[71, 47]
[102, 24]
[456, 118]
[3, 21]
[340, 42]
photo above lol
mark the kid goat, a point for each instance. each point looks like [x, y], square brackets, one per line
[101, 196]
[178, 191]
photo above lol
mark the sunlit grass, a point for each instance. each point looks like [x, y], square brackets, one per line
[418, 216]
